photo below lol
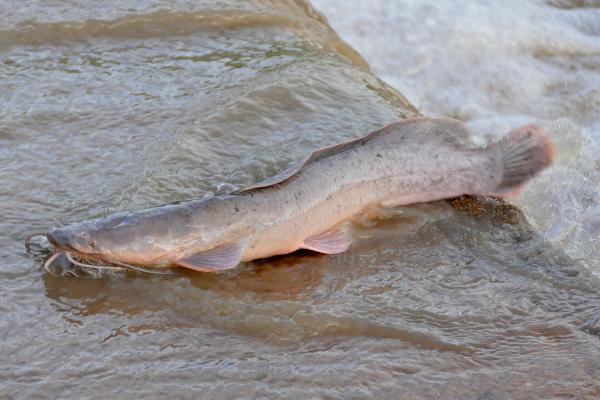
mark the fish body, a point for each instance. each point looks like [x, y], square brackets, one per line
[305, 206]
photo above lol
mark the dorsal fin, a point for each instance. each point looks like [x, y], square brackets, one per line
[316, 155]
[448, 130]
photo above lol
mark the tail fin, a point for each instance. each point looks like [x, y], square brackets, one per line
[524, 152]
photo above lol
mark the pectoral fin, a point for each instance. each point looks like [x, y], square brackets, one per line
[332, 241]
[217, 259]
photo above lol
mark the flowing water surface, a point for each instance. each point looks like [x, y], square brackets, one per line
[108, 106]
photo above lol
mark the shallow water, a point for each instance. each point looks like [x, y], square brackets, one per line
[108, 108]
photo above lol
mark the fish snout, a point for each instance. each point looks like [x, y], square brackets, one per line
[58, 238]
[68, 240]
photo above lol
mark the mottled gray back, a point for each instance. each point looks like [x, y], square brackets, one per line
[421, 130]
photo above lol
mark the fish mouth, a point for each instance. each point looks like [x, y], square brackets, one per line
[77, 259]
[60, 241]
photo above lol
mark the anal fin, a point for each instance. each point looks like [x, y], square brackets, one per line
[333, 241]
[218, 259]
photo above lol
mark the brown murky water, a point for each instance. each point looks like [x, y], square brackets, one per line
[108, 107]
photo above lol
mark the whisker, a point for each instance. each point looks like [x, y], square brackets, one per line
[57, 221]
[119, 266]
[50, 260]
[84, 265]
[142, 269]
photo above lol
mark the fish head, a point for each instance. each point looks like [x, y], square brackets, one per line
[74, 240]
[92, 238]
[120, 237]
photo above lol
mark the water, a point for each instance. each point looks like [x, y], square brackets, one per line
[108, 107]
